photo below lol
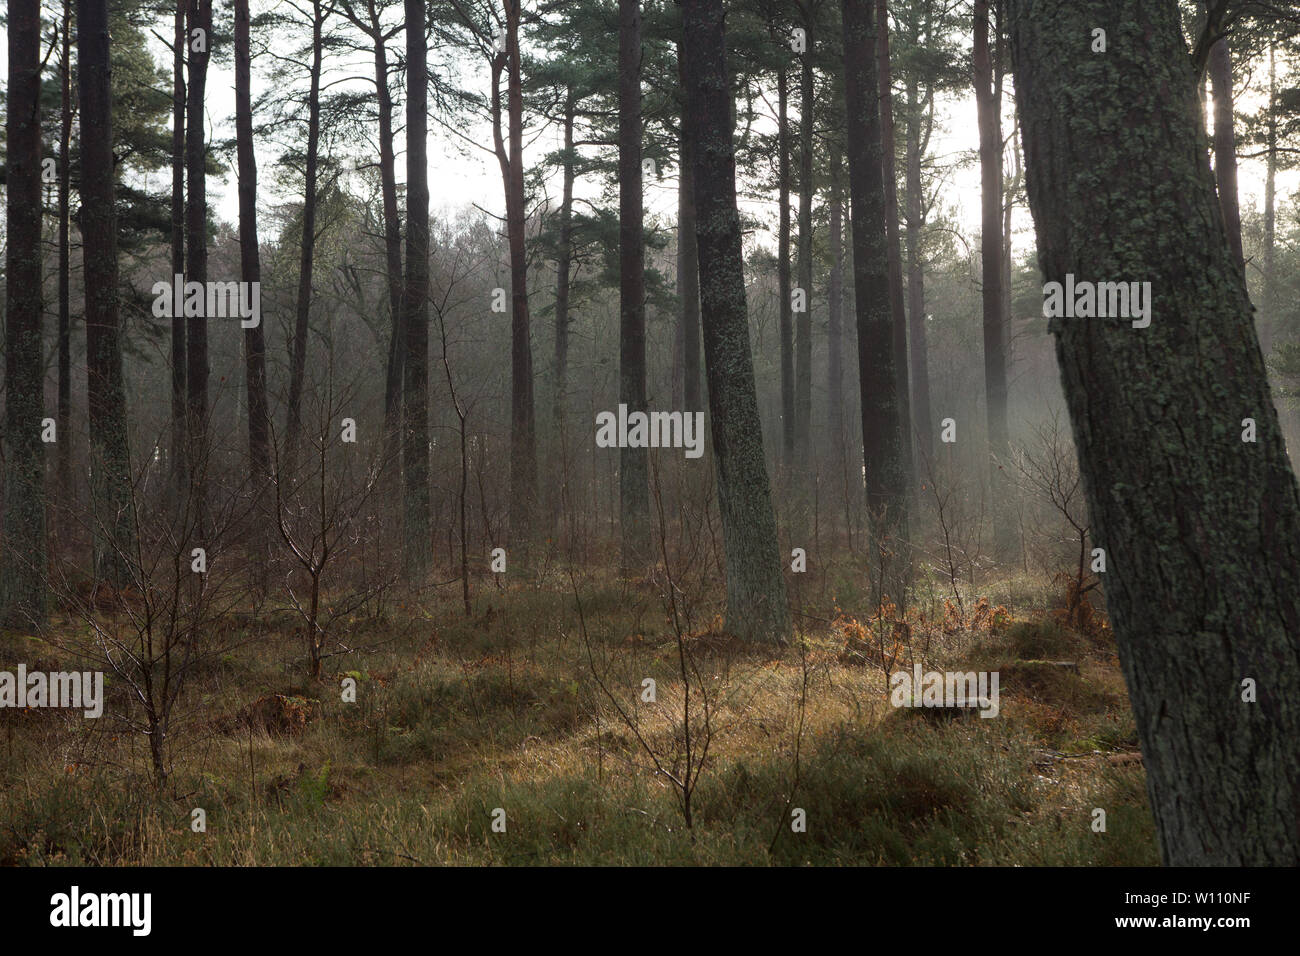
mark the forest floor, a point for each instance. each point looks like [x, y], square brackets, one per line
[520, 736]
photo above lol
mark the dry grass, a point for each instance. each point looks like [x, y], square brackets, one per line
[455, 718]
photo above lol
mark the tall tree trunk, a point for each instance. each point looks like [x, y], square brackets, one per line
[110, 463]
[882, 435]
[250, 266]
[688, 263]
[22, 583]
[633, 473]
[563, 268]
[418, 542]
[783, 270]
[523, 442]
[803, 321]
[897, 308]
[1269, 304]
[199, 39]
[839, 443]
[63, 452]
[1009, 186]
[178, 458]
[302, 317]
[1225, 146]
[922, 418]
[835, 316]
[1201, 529]
[988, 105]
[392, 225]
[756, 601]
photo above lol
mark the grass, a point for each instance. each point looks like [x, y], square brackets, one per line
[458, 718]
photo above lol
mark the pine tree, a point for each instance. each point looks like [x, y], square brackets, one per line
[882, 436]
[1200, 528]
[418, 544]
[22, 584]
[110, 462]
[756, 600]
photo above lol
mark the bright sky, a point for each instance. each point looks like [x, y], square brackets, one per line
[461, 175]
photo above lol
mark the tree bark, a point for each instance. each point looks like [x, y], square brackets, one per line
[922, 418]
[259, 431]
[835, 313]
[803, 321]
[392, 225]
[882, 435]
[988, 104]
[1009, 185]
[783, 269]
[418, 542]
[633, 473]
[196, 241]
[688, 265]
[307, 248]
[1201, 529]
[559, 500]
[1269, 304]
[897, 308]
[523, 441]
[22, 584]
[63, 467]
[1225, 146]
[180, 431]
[756, 601]
[110, 465]
[563, 269]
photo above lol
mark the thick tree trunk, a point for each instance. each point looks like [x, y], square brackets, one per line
[22, 583]
[783, 269]
[1201, 529]
[307, 248]
[882, 436]
[756, 601]
[417, 539]
[110, 465]
[922, 418]
[688, 264]
[897, 309]
[259, 432]
[180, 431]
[633, 473]
[199, 41]
[1225, 146]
